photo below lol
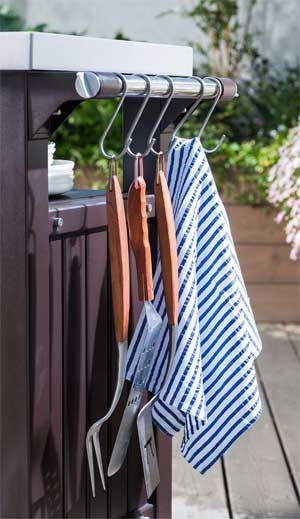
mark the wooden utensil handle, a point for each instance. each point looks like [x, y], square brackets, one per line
[119, 258]
[139, 238]
[168, 246]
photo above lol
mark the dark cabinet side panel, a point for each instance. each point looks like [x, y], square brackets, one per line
[39, 369]
[74, 352]
[97, 357]
[163, 494]
[14, 380]
[53, 462]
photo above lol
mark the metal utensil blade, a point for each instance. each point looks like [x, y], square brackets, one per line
[145, 427]
[154, 323]
[148, 448]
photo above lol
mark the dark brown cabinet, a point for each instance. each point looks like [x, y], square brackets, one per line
[58, 355]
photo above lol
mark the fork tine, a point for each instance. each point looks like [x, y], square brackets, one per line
[93, 433]
[98, 454]
[89, 450]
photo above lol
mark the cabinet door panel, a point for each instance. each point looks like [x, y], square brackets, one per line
[74, 352]
[53, 460]
[97, 356]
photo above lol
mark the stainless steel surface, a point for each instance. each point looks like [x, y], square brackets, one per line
[58, 222]
[191, 109]
[134, 400]
[145, 426]
[128, 140]
[93, 432]
[148, 448]
[87, 84]
[149, 208]
[138, 115]
[204, 124]
[151, 139]
[90, 84]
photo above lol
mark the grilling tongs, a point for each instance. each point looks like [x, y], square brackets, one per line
[120, 284]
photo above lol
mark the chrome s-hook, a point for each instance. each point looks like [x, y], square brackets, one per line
[138, 167]
[113, 171]
[221, 140]
[160, 165]
[147, 95]
[111, 122]
[151, 139]
[190, 110]
[128, 140]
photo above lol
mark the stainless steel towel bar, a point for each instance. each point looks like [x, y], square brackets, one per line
[92, 84]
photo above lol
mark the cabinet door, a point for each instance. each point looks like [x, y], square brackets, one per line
[74, 375]
[83, 372]
[98, 348]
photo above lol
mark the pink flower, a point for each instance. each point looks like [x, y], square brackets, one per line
[279, 217]
[290, 237]
[293, 254]
[284, 189]
[290, 202]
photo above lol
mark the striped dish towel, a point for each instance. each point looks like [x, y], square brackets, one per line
[211, 390]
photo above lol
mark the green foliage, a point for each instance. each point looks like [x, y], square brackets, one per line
[261, 107]
[255, 124]
[242, 169]
[228, 38]
[10, 20]
[268, 100]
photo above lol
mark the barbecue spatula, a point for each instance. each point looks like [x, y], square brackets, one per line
[169, 267]
[138, 232]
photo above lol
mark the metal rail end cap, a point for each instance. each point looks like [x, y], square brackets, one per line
[87, 84]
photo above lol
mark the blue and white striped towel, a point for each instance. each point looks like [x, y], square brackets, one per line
[212, 389]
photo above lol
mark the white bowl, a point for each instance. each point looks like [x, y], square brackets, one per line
[61, 175]
[60, 185]
[51, 151]
[61, 165]
[58, 188]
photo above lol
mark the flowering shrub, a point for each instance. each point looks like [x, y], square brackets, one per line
[284, 190]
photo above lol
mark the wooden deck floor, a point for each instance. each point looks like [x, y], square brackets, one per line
[260, 476]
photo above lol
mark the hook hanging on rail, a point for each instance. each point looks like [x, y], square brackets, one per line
[151, 139]
[111, 122]
[221, 140]
[190, 110]
[128, 140]
[193, 108]
[147, 95]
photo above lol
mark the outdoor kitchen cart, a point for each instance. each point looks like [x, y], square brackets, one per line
[58, 355]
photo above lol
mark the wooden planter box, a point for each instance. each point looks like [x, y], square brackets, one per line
[272, 279]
